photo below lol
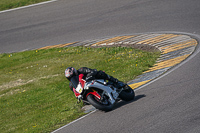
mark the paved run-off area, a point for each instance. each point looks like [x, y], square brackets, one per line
[174, 48]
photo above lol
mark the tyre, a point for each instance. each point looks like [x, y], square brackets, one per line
[103, 105]
[127, 94]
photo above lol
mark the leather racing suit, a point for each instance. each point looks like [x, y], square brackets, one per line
[90, 74]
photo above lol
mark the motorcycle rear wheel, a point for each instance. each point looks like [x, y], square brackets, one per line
[128, 94]
[97, 104]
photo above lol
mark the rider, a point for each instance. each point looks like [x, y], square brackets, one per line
[88, 74]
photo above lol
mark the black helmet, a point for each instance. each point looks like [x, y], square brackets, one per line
[70, 72]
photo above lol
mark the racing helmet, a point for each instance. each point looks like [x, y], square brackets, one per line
[70, 72]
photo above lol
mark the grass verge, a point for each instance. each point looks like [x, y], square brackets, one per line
[34, 93]
[9, 4]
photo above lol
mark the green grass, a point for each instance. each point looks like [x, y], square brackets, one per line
[34, 93]
[9, 4]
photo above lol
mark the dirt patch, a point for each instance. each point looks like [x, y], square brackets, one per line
[11, 84]
[20, 82]
[144, 47]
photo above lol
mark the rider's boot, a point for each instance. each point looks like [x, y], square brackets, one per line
[115, 81]
[118, 84]
[112, 79]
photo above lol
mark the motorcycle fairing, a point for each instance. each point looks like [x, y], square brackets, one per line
[112, 94]
[75, 92]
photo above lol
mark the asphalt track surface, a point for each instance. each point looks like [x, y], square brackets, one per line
[168, 104]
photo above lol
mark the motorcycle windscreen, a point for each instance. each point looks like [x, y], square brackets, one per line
[74, 80]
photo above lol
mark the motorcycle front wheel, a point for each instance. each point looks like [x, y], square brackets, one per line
[127, 94]
[103, 105]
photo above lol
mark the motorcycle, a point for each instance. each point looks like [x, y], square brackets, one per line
[100, 93]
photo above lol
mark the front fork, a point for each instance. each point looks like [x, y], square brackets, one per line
[113, 95]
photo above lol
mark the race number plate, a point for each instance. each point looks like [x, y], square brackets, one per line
[79, 88]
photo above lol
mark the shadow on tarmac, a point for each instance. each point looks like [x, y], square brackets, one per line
[122, 103]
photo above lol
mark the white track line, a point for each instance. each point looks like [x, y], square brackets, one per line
[27, 6]
[73, 121]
